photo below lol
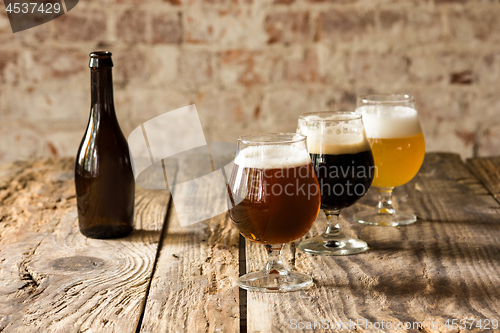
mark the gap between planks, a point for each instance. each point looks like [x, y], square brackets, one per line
[158, 249]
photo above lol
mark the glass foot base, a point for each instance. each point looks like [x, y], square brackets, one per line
[390, 220]
[339, 245]
[274, 281]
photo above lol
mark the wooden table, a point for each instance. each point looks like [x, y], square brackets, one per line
[168, 278]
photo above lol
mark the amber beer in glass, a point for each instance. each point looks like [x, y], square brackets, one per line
[274, 199]
[398, 146]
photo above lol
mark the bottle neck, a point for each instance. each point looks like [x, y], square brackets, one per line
[101, 81]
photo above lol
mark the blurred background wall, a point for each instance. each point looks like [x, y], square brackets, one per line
[253, 66]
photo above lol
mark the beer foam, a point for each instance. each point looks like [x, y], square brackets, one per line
[272, 157]
[389, 122]
[334, 138]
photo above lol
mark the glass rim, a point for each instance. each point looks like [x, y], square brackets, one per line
[350, 115]
[246, 139]
[386, 98]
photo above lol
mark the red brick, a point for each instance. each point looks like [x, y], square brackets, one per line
[167, 27]
[124, 97]
[131, 26]
[449, 67]
[425, 25]
[347, 101]
[155, 65]
[478, 23]
[64, 100]
[450, 1]
[164, 63]
[446, 118]
[135, 2]
[484, 106]
[224, 27]
[149, 103]
[62, 138]
[282, 107]
[334, 1]
[248, 67]
[489, 140]
[389, 18]
[46, 64]
[305, 69]
[131, 65]
[384, 72]
[288, 27]
[403, 26]
[174, 2]
[225, 115]
[217, 109]
[345, 25]
[225, 2]
[489, 69]
[20, 140]
[196, 67]
[82, 25]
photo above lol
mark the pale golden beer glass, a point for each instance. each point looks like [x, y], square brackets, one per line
[398, 146]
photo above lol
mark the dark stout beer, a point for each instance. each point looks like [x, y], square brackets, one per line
[105, 185]
[343, 178]
[274, 203]
[343, 163]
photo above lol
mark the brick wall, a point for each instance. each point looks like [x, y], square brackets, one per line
[254, 66]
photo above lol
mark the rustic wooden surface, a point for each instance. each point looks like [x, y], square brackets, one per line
[487, 170]
[445, 266]
[52, 278]
[193, 288]
[168, 278]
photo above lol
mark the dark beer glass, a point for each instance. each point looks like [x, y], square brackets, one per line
[344, 166]
[274, 199]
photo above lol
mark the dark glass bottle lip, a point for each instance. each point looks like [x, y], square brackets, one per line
[100, 59]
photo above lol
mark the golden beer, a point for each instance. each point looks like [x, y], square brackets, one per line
[397, 160]
[397, 143]
[398, 147]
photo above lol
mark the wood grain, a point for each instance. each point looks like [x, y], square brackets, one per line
[445, 266]
[193, 287]
[52, 278]
[487, 170]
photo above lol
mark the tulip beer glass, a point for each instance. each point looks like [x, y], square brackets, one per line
[398, 146]
[343, 162]
[273, 199]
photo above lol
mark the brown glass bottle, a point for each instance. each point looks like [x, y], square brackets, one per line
[105, 186]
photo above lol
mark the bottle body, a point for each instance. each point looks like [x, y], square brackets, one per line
[105, 186]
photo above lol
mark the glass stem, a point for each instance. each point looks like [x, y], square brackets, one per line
[332, 226]
[274, 264]
[385, 201]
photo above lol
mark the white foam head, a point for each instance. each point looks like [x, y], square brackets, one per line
[332, 136]
[389, 122]
[272, 157]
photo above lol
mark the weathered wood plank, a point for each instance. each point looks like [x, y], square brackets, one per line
[52, 278]
[446, 266]
[487, 170]
[193, 287]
